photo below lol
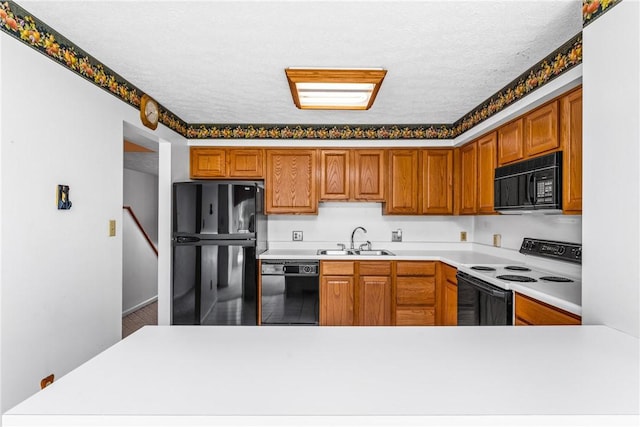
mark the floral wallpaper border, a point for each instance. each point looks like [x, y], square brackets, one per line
[593, 9]
[21, 25]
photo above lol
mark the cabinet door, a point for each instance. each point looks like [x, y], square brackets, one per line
[334, 174]
[437, 182]
[541, 130]
[510, 142]
[529, 311]
[448, 295]
[375, 300]
[245, 163]
[368, 174]
[451, 304]
[402, 197]
[290, 183]
[208, 162]
[487, 159]
[468, 178]
[337, 301]
[571, 139]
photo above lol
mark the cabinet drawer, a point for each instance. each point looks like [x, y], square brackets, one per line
[337, 268]
[415, 317]
[533, 312]
[415, 290]
[450, 273]
[415, 268]
[375, 268]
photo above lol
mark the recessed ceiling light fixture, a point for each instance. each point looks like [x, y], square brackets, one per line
[334, 88]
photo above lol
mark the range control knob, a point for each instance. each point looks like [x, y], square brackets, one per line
[579, 253]
[560, 250]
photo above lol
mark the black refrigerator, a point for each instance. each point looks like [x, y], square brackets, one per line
[219, 229]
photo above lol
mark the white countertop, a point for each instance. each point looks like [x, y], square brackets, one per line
[566, 296]
[198, 375]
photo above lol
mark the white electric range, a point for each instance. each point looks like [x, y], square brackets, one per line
[493, 304]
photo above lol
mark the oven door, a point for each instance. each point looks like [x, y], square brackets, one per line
[290, 299]
[482, 304]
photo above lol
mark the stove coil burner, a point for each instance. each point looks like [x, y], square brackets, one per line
[516, 278]
[482, 268]
[556, 279]
[517, 268]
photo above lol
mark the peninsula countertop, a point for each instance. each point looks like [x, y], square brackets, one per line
[194, 375]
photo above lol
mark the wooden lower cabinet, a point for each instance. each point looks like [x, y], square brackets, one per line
[355, 293]
[529, 311]
[375, 300]
[415, 293]
[337, 293]
[337, 302]
[449, 295]
[374, 293]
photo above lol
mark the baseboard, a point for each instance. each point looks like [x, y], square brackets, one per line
[139, 306]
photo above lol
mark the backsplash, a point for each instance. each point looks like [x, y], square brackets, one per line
[335, 222]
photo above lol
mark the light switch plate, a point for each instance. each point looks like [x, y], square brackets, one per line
[112, 227]
[396, 236]
[296, 236]
[463, 236]
[497, 240]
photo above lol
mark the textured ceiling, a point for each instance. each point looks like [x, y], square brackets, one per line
[223, 61]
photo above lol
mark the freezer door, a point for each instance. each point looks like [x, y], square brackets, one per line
[215, 284]
[218, 209]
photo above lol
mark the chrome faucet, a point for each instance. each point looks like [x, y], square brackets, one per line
[353, 234]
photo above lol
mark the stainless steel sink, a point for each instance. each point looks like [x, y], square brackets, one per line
[335, 252]
[374, 252]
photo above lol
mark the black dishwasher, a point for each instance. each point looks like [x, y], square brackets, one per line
[289, 292]
[482, 304]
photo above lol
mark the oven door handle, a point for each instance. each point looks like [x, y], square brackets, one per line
[484, 287]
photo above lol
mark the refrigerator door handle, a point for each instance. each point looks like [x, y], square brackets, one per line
[187, 239]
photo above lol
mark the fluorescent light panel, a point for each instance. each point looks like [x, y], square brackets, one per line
[334, 89]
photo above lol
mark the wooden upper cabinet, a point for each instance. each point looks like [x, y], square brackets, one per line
[245, 163]
[290, 182]
[571, 142]
[541, 130]
[334, 175]
[368, 174]
[437, 181]
[487, 162]
[468, 178]
[510, 142]
[208, 162]
[402, 196]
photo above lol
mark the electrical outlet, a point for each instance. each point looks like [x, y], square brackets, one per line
[396, 236]
[497, 240]
[463, 236]
[112, 227]
[297, 236]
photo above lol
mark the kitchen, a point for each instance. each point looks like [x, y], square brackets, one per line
[23, 80]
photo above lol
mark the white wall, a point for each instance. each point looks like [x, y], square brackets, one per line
[141, 193]
[61, 278]
[335, 222]
[611, 162]
[139, 268]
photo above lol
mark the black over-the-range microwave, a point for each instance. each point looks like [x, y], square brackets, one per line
[530, 186]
